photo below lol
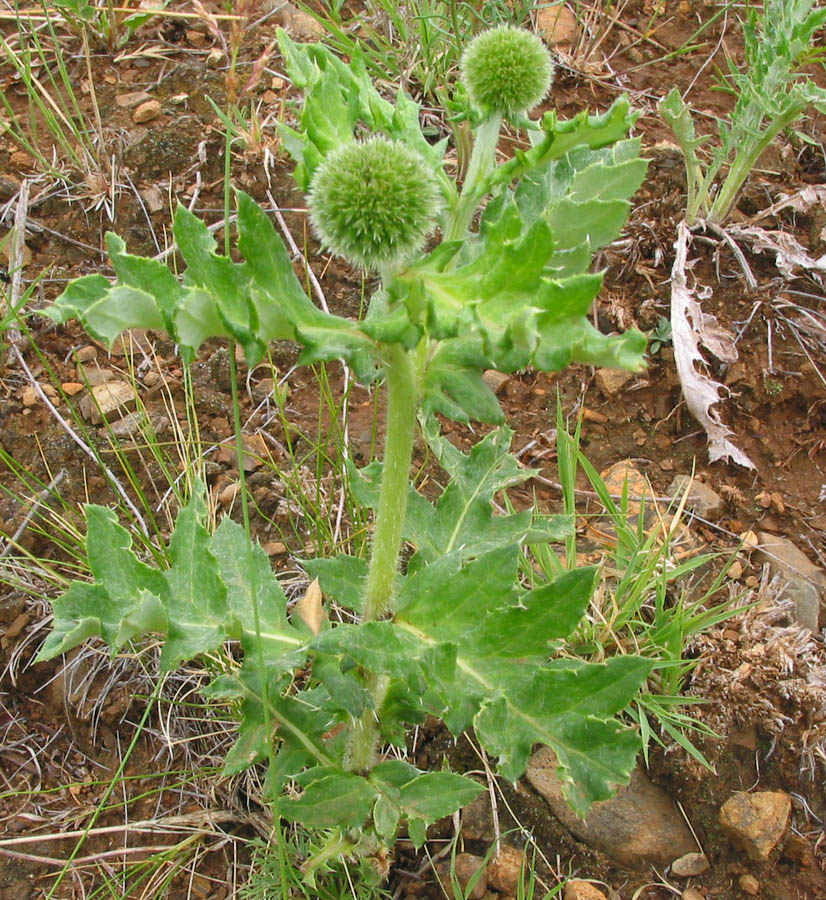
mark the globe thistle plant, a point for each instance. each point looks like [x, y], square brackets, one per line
[506, 70]
[374, 202]
[451, 626]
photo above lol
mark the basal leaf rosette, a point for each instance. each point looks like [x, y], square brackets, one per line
[506, 70]
[374, 202]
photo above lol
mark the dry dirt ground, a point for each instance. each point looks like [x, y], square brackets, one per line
[64, 731]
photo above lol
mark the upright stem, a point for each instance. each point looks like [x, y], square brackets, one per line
[400, 423]
[480, 166]
[402, 405]
[744, 162]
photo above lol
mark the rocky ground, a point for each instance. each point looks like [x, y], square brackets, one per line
[752, 825]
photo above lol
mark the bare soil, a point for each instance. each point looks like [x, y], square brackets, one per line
[63, 731]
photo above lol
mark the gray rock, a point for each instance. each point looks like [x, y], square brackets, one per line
[112, 399]
[805, 582]
[702, 500]
[756, 822]
[133, 99]
[93, 375]
[133, 424]
[638, 824]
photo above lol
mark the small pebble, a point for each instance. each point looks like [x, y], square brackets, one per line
[465, 867]
[797, 848]
[690, 864]
[504, 870]
[20, 160]
[735, 571]
[215, 58]
[612, 381]
[750, 540]
[496, 381]
[86, 354]
[135, 98]
[112, 399]
[582, 890]
[228, 494]
[70, 388]
[146, 112]
[750, 885]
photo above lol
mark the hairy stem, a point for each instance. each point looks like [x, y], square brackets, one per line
[402, 406]
[744, 162]
[364, 736]
[481, 164]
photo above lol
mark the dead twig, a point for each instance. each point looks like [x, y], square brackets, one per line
[187, 823]
[721, 233]
[39, 500]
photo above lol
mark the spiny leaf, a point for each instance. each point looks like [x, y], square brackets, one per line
[514, 703]
[560, 137]
[128, 594]
[105, 314]
[393, 774]
[250, 582]
[513, 300]
[462, 518]
[482, 644]
[454, 385]
[87, 611]
[206, 596]
[254, 301]
[342, 800]
[342, 578]
[284, 310]
[376, 646]
[434, 795]
[545, 614]
[146, 275]
[218, 275]
[197, 604]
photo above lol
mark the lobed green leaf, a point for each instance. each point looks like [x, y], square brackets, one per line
[341, 799]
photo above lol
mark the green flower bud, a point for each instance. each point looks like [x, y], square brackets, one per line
[506, 70]
[374, 202]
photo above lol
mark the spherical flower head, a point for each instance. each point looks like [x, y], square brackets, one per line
[506, 70]
[374, 202]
